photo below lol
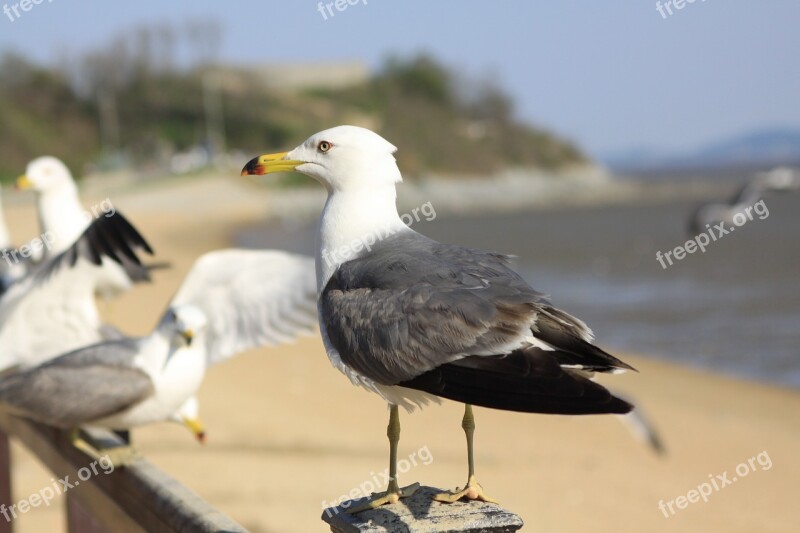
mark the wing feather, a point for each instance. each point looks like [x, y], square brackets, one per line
[252, 298]
[52, 310]
[79, 387]
[413, 305]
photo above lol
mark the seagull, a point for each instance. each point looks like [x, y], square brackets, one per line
[115, 384]
[230, 301]
[415, 320]
[62, 218]
[780, 179]
[12, 266]
[52, 310]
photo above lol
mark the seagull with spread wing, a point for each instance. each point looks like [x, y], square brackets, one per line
[62, 218]
[52, 310]
[781, 179]
[414, 320]
[231, 300]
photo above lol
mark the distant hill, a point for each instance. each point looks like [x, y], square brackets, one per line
[111, 110]
[755, 149]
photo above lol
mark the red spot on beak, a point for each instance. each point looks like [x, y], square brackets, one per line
[253, 168]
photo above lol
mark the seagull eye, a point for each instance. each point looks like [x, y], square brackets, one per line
[324, 146]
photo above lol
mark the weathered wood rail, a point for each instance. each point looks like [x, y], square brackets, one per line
[139, 497]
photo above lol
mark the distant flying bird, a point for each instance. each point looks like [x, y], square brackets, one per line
[62, 218]
[52, 310]
[230, 301]
[412, 319]
[780, 179]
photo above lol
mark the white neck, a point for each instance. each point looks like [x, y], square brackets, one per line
[353, 221]
[62, 216]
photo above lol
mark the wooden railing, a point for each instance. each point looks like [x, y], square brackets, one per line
[138, 497]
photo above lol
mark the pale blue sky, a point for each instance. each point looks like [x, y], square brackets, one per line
[610, 75]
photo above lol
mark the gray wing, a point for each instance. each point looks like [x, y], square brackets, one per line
[78, 387]
[414, 304]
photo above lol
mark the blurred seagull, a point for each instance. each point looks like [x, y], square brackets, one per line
[412, 319]
[251, 298]
[231, 300]
[62, 218]
[780, 179]
[115, 384]
[52, 310]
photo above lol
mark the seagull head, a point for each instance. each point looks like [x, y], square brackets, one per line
[183, 326]
[341, 158]
[46, 174]
[187, 322]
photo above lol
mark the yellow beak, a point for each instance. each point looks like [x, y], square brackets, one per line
[24, 183]
[196, 427]
[269, 163]
[188, 335]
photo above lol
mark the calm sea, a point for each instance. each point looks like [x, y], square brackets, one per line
[734, 308]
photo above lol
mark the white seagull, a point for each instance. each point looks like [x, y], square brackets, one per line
[412, 319]
[116, 384]
[230, 301]
[781, 179]
[52, 310]
[62, 218]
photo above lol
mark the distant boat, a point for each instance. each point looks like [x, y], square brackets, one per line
[710, 213]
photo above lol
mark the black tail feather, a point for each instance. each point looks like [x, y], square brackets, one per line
[529, 381]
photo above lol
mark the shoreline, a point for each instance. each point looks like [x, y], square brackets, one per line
[288, 432]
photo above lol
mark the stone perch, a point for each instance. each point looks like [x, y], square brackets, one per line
[420, 514]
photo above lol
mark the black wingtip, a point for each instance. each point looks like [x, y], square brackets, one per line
[529, 381]
[113, 237]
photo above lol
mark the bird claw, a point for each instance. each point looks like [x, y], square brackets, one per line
[388, 497]
[473, 491]
[119, 456]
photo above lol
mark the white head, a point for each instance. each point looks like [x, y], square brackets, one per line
[183, 324]
[341, 158]
[46, 174]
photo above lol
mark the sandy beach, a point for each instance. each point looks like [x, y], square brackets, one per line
[286, 432]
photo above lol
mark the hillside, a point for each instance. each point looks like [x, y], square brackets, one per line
[111, 111]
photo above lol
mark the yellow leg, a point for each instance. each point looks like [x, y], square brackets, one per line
[393, 492]
[119, 456]
[473, 490]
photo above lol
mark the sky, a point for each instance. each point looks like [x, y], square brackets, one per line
[612, 76]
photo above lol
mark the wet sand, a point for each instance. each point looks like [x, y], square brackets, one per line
[287, 432]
